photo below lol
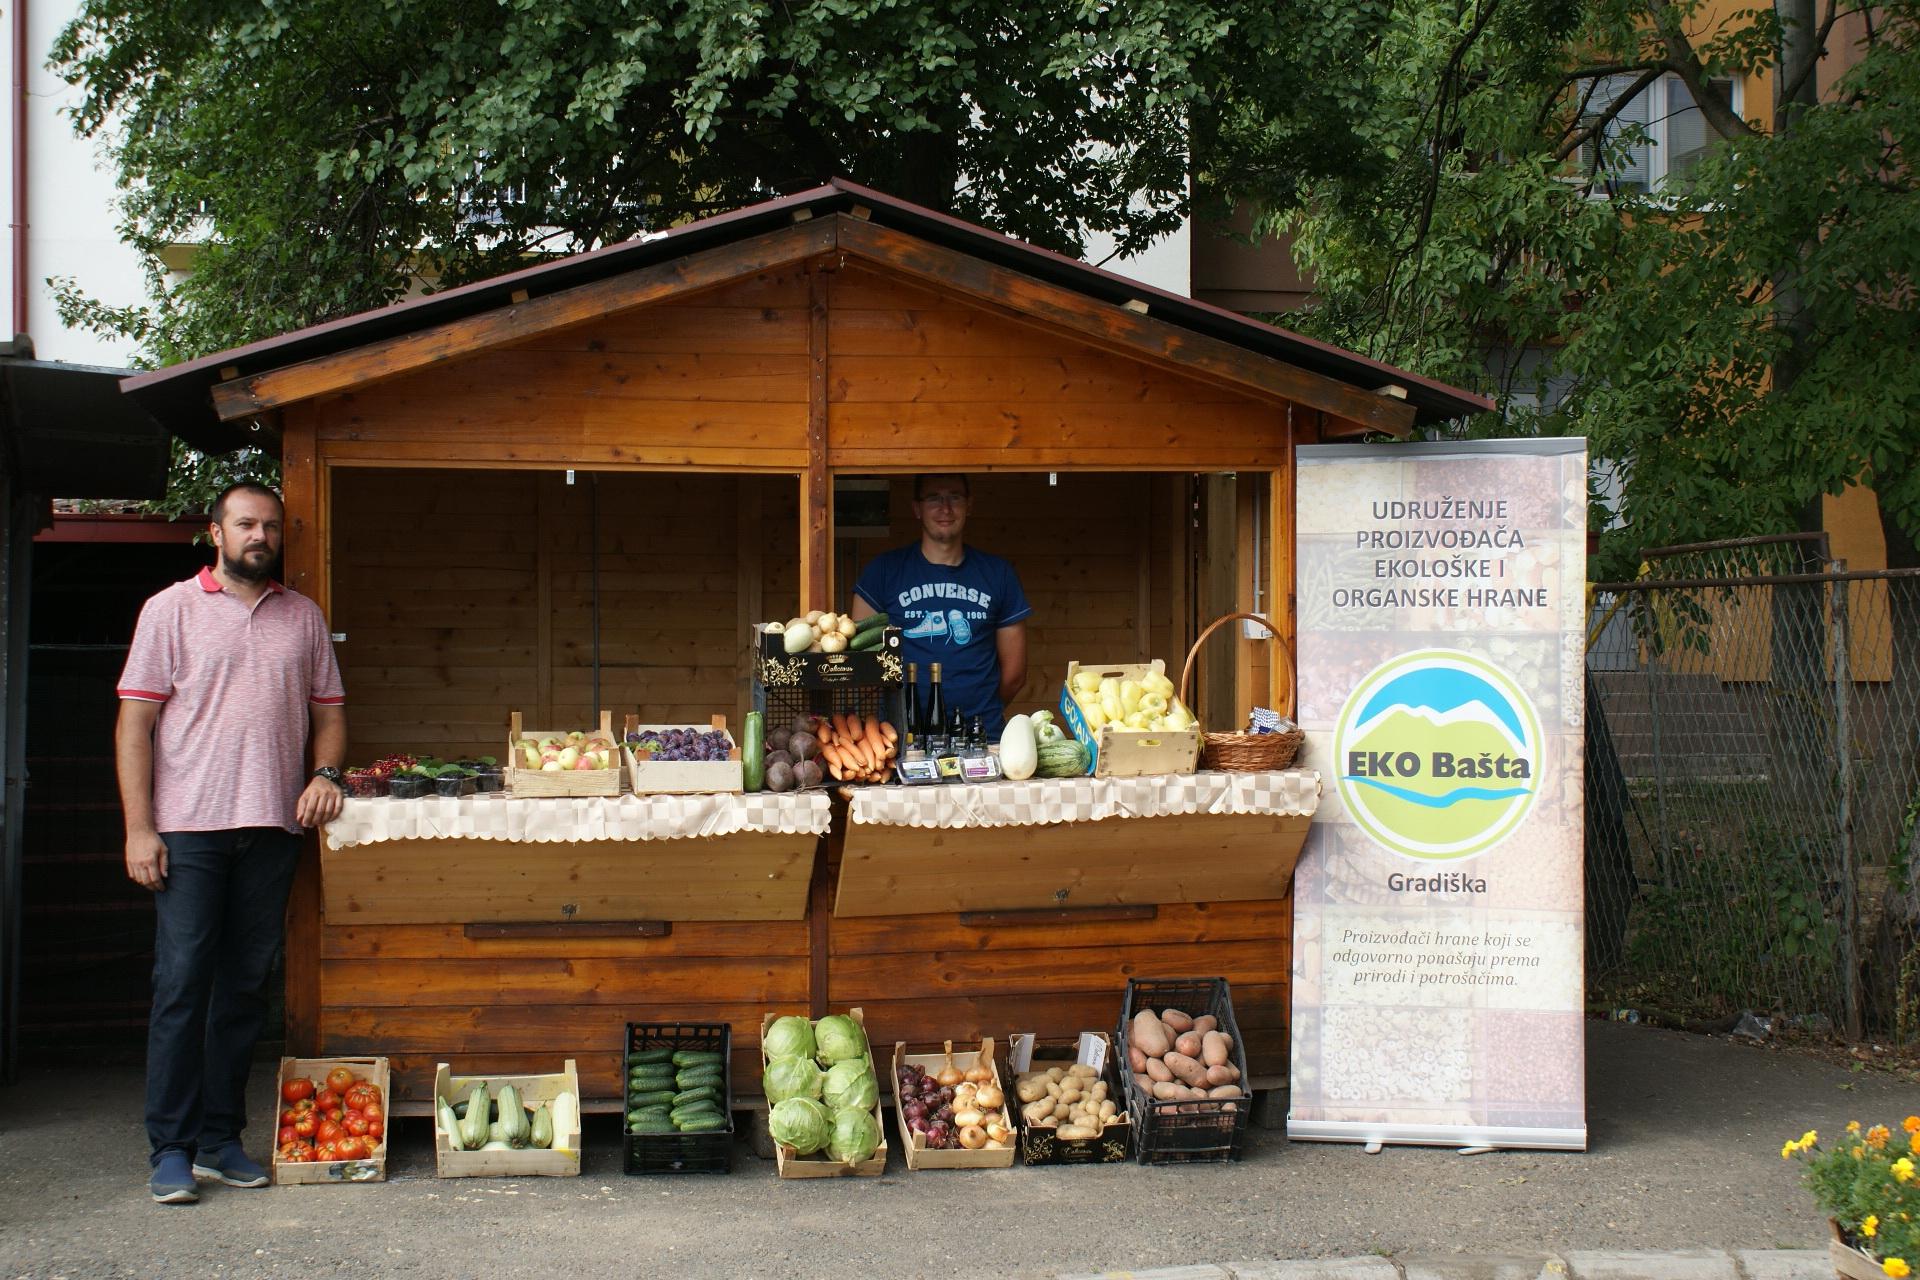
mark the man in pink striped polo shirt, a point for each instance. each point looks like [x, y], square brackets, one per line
[227, 673]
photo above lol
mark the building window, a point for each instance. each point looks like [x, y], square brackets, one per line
[1656, 138]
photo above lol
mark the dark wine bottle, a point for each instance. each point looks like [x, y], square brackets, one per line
[935, 727]
[911, 698]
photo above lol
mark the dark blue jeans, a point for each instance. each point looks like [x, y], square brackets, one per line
[217, 926]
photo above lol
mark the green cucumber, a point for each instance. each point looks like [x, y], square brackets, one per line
[753, 752]
[703, 1124]
[867, 641]
[653, 1080]
[652, 1097]
[648, 1112]
[872, 622]
[642, 1056]
[694, 1108]
[651, 1126]
[705, 1093]
[694, 1077]
[697, 1057]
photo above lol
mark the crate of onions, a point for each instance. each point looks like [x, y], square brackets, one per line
[953, 1108]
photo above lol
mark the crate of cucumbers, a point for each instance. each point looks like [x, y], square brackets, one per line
[679, 1097]
[507, 1126]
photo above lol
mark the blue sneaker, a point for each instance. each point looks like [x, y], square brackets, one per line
[172, 1180]
[934, 624]
[958, 627]
[230, 1166]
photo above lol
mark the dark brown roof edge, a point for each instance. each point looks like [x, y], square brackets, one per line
[178, 396]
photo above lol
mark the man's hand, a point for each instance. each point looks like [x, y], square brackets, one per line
[147, 861]
[319, 804]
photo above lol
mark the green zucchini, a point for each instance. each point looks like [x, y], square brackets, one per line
[542, 1127]
[697, 1057]
[640, 1057]
[703, 1124]
[473, 1134]
[753, 752]
[513, 1118]
[706, 1092]
[449, 1124]
[651, 1097]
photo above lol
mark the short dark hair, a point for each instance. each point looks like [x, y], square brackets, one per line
[219, 515]
[920, 483]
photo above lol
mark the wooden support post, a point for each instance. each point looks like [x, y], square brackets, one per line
[1215, 696]
[816, 484]
[1246, 535]
[748, 575]
[547, 504]
[1283, 678]
[304, 486]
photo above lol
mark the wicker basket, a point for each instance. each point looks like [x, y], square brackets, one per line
[1242, 752]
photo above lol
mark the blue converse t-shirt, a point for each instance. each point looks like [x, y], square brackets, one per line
[948, 614]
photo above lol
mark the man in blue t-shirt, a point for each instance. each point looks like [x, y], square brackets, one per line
[955, 605]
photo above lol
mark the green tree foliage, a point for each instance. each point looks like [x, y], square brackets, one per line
[1738, 342]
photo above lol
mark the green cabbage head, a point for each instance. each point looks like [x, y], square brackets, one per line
[801, 1123]
[850, 1084]
[791, 1078]
[789, 1037]
[839, 1038]
[855, 1135]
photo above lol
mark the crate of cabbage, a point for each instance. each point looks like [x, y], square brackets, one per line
[528, 1126]
[679, 1097]
[823, 1098]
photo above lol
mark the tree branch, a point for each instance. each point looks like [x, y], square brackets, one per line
[1825, 29]
[1581, 136]
[1686, 64]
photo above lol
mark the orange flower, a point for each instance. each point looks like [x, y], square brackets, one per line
[1913, 1144]
[1911, 1124]
[1896, 1268]
[1877, 1136]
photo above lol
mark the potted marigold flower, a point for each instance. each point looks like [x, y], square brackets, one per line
[1868, 1187]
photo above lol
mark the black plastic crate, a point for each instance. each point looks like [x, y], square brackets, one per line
[1184, 1132]
[782, 706]
[681, 1152]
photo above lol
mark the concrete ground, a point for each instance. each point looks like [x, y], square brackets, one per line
[1683, 1181]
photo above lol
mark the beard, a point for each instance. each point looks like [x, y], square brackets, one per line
[258, 569]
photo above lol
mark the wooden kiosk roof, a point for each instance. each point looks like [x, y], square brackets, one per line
[217, 402]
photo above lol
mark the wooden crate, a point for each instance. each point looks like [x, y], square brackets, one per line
[1129, 753]
[920, 1156]
[561, 1161]
[681, 777]
[791, 1164]
[373, 1169]
[560, 782]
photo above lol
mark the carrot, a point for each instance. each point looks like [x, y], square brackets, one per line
[862, 754]
[888, 732]
[833, 755]
[875, 743]
[841, 728]
[834, 769]
[856, 725]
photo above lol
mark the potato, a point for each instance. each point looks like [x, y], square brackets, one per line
[1083, 1071]
[1072, 1094]
[1224, 1091]
[1061, 1110]
[1222, 1074]
[1053, 1088]
[1204, 1025]
[1177, 1020]
[1136, 1059]
[1215, 1048]
[1189, 1043]
[1150, 1034]
[1186, 1070]
[1030, 1089]
[1079, 1131]
[1143, 1082]
[1158, 1070]
[1107, 1111]
[1055, 1074]
[1037, 1112]
[1098, 1091]
[1168, 1091]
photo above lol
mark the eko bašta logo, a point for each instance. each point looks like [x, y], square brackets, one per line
[1439, 754]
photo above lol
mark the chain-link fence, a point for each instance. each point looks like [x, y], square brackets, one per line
[1752, 786]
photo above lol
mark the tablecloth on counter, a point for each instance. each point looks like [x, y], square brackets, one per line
[557, 819]
[1040, 801]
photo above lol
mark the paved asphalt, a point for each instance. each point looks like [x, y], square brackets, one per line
[1683, 1181]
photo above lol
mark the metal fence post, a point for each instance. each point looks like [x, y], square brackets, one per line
[1843, 755]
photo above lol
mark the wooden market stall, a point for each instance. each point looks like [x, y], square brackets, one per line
[582, 484]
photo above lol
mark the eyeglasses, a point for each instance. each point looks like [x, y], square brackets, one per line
[943, 499]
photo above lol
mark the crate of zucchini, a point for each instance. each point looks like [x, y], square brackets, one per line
[679, 1097]
[526, 1126]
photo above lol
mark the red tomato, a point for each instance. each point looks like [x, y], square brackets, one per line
[329, 1131]
[359, 1098]
[376, 1127]
[337, 1114]
[307, 1125]
[355, 1124]
[296, 1089]
[373, 1111]
[326, 1100]
[340, 1079]
[287, 1134]
[373, 1091]
[350, 1149]
[288, 1115]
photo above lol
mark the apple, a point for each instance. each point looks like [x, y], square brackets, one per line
[586, 761]
[567, 757]
[576, 737]
[531, 755]
[551, 766]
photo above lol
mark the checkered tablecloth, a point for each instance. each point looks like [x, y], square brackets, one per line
[555, 819]
[1039, 801]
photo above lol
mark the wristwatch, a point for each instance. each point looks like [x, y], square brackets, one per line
[331, 774]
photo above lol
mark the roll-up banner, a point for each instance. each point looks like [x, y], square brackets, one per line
[1437, 963]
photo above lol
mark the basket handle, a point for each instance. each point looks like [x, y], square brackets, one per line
[1186, 672]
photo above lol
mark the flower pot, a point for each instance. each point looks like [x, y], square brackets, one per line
[1850, 1263]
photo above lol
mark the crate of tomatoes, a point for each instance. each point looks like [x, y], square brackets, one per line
[333, 1121]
